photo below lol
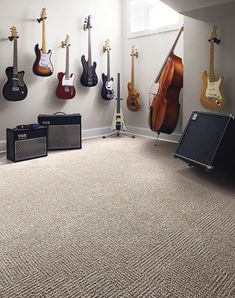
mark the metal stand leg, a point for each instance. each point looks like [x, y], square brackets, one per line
[155, 144]
[118, 133]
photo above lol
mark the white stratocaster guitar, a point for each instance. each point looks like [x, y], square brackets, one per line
[118, 119]
[212, 97]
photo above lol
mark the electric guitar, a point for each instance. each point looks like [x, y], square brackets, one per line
[107, 92]
[88, 77]
[65, 88]
[118, 119]
[15, 88]
[212, 91]
[42, 65]
[133, 100]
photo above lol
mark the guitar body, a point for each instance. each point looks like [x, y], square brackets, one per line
[118, 121]
[89, 77]
[107, 92]
[11, 92]
[42, 66]
[133, 100]
[65, 88]
[212, 97]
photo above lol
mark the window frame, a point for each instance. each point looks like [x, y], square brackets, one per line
[147, 32]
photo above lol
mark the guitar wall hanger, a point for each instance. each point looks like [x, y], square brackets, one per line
[41, 19]
[216, 40]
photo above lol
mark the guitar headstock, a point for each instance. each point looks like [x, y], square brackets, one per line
[14, 33]
[87, 23]
[134, 52]
[106, 46]
[213, 36]
[66, 42]
[43, 15]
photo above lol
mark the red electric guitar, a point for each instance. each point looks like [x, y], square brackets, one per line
[66, 89]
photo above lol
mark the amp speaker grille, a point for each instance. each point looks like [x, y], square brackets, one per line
[30, 148]
[64, 136]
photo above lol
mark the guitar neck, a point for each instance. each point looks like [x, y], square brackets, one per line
[67, 63]
[15, 57]
[118, 94]
[108, 65]
[212, 65]
[132, 74]
[89, 48]
[44, 50]
[171, 51]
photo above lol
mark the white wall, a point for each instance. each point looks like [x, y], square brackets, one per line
[153, 50]
[196, 55]
[64, 17]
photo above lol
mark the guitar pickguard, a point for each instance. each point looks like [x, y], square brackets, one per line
[213, 90]
[68, 82]
[45, 61]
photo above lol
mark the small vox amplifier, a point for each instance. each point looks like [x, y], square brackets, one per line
[26, 142]
[64, 130]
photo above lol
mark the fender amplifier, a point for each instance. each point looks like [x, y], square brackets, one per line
[64, 130]
[27, 142]
[208, 141]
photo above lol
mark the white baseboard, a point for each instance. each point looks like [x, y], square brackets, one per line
[86, 134]
[145, 132]
[95, 132]
[98, 132]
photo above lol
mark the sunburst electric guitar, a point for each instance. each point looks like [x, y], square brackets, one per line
[15, 88]
[42, 65]
[133, 100]
[107, 92]
[65, 88]
[212, 97]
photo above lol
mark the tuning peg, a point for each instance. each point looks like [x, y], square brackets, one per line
[62, 44]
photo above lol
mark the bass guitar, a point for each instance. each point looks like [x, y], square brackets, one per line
[165, 107]
[212, 91]
[118, 119]
[107, 92]
[65, 88]
[88, 77]
[15, 88]
[133, 100]
[42, 66]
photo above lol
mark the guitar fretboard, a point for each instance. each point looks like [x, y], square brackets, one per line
[118, 93]
[67, 63]
[212, 55]
[15, 57]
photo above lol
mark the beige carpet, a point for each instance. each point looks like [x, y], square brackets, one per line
[119, 218]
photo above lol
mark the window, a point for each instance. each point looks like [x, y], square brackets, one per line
[151, 16]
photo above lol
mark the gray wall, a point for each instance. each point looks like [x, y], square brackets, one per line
[196, 58]
[64, 17]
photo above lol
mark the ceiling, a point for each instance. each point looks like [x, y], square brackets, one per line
[204, 10]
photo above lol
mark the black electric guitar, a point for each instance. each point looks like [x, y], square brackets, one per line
[88, 77]
[15, 88]
[107, 92]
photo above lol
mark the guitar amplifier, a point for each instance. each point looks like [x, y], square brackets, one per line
[208, 141]
[27, 142]
[64, 130]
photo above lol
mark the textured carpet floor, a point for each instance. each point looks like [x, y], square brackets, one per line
[119, 218]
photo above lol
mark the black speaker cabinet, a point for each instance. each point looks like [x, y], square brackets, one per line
[64, 130]
[26, 143]
[208, 141]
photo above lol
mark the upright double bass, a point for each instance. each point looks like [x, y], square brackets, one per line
[165, 107]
